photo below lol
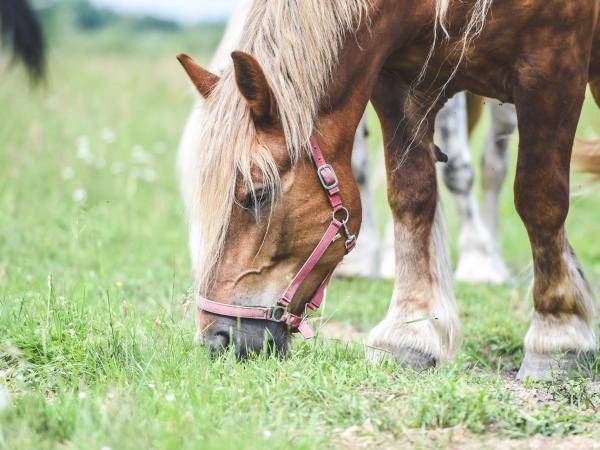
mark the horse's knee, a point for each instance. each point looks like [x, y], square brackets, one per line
[459, 176]
[541, 201]
[494, 166]
[504, 117]
[412, 187]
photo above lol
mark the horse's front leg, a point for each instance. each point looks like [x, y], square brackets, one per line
[421, 328]
[562, 331]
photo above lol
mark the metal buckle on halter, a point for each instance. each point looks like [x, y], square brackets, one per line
[278, 313]
[320, 171]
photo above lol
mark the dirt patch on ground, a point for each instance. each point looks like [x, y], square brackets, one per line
[583, 393]
[525, 396]
[529, 398]
[366, 437]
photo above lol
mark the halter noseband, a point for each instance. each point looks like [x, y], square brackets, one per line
[279, 312]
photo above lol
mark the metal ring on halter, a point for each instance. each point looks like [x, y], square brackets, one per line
[346, 219]
[278, 313]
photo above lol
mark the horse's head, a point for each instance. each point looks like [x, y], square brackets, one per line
[260, 208]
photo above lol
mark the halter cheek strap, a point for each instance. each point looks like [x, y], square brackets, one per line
[279, 312]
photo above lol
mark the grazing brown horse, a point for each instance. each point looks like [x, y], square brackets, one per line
[308, 68]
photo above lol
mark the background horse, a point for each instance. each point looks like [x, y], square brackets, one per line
[309, 68]
[20, 29]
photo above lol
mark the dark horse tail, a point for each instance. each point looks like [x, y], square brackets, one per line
[21, 31]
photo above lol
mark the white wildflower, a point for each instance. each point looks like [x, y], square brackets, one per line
[67, 173]
[267, 434]
[116, 167]
[79, 195]
[108, 135]
[149, 175]
[139, 155]
[81, 395]
[83, 150]
[83, 141]
[170, 397]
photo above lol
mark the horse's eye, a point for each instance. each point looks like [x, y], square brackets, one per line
[256, 199]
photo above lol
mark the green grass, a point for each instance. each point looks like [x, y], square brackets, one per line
[96, 327]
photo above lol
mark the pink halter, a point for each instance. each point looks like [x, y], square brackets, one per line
[279, 312]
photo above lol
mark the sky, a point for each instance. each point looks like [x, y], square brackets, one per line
[185, 11]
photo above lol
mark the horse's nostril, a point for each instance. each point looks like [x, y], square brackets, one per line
[220, 341]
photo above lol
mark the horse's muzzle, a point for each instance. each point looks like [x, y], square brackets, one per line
[247, 337]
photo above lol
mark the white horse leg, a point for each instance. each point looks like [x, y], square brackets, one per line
[477, 262]
[365, 258]
[494, 166]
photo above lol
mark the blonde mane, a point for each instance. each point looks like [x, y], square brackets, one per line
[297, 43]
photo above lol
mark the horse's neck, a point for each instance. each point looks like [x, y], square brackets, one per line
[394, 27]
[360, 61]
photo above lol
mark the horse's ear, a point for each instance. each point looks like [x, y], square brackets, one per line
[254, 87]
[204, 80]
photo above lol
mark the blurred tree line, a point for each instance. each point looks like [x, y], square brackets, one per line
[81, 25]
[90, 17]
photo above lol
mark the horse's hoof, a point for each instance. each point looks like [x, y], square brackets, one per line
[408, 358]
[414, 359]
[558, 365]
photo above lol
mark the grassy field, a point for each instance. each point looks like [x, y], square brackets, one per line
[96, 328]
